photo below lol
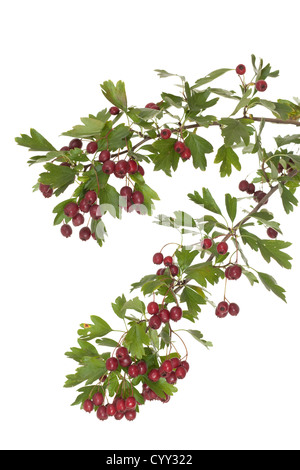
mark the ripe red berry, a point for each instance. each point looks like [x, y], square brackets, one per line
[180, 372]
[125, 361]
[153, 308]
[114, 110]
[160, 272]
[98, 399]
[154, 375]
[233, 272]
[179, 146]
[133, 167]
[71, 209]
[104, 156]
[233, 309]
[130, 415]
[174, 270]
[64, 149]
[186, 365]
[126, 192]
[141, 170]
[48, 193]
[121, 168]
[158, 258]
[91, 197]
[165, 134]
[164, 315]
[171, 378]
[92, 147]
[155, 322]
[251, 189]
[84, 206]
[241, 69]
[65, 164]
[102, 413]
[259, 195]
[272, 233]
[223, 308]
[220, 314]
[112, 363]
[111, 409]
[121, 352]
[261, 85]
[133, 371]
[44, 187]
[78, 219]
[95, 212]
[119, 415]
[137, 197]
[130, 403]
[186, 154]
[75, 144]
[175, 314]
[167, 366]
[108, 167]
[66, 230]
[168, 261]
[244, 185]
[142, 366]
[222, 248]
[152, 106]
[88, 406]
[206, 243]
[175, 362]
[85, 234]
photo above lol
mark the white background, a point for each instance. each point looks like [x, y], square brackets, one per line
[244, 393]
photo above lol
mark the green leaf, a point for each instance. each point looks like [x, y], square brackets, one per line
[288, 139]
[57, 176]
[185, 258]
[118, 306]
[86, 349]
[197, 100]
[164, 74]
[136, 338]
[96, 330]
[193, 299]
[172, 100]
[91, 370]
[161, 388]
[211, 76]
[231, 206]
[236, 130]
[205, 272]
[199, 147]
[288, 199]
[116, 138]
[116, 94]
[108, 342]
[270, 284]
[134, 304]
[35, 142]
[166, 158]
[228, 158]
[91, 128]
[206, 200]
[244, 101]
[110, 201]
[199, 337]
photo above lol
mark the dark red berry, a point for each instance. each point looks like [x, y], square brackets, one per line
[186, 154]
[130, 403]
[75, 144]
[137, 197]
[66, 230]
[251, 189]
[92, 147]
[155, 322]
[65, 164]
[272, 233]
[175, 313]
[233, 272]
[85, 234]
[114, 110]
[141, 170]
[126, 192]
[121, 352]
[119, 415]
[102, 413]
[171, 378]
[88, 406]
[44, 187]
[186, 365]
[112, 363]
[167, 366]
[244, 185]
[160, 272]
[180, 373]
[179, 146]
[165, 134]
[91, 197]
[48, 193]
[133, 371]
[152, 106]
[259, 195]
[104, 156]
[206, 243]
[108, 167]
[222, 248]
[175, 362]
[154, 375]
[153, 308]
[158, 258]
[220, 314]
[121, 168]
[241, 69]
[98, 399]
[261, 85]
[130, 415]
[111, 409]
[168, 261]
[234, 309]
[223, 307]
[174, 270]
[95, 212]
[142, 366]
[125, 361]
[164, 315]
[84, 206]
[71, 209]
[77, 220]
[133, 167]
[64, 149]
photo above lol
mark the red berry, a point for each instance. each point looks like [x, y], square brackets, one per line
[112, 363]
[186, 365]
[126, 192]
[223, 307]
[114, 110]
[95, 212]
[155, 322]
[66, 230]
[133, 167]
[180, 373]
[111, 409]
[108, 167]
[44, 187]
[174, 270]
[175, 362]
[206, 243]
[98, 399]
[251, 189]
[165, 134]
[102, 413]
[168, 261]
[261, 85]
[125, 361]
[85, 234]
[142, 366]
[91, 197]
[71, 209]
[75, 144]
[179, 146]
[171, 378]
[234, 309]
[104, 156]
[130, 415]
[77, 220]
[152, 106]
[137, 197]
[219, 314]
[153, 308]
[141, 170]
[167, 366]
[186, 154]
[259, 195]
[84, 206]
[88, 406]
[65, 164]
[235, 272]
[154, 375]
[244, 185]
[175, 313]
[121, 352]
[119, 415]
[160, 272]
[158, 258]
[130, 403]
[272, 233]
[133, 371]
[64, 149]
[121, 168]
[164, 315]
[222, 248]
[48, 193]
[92, 147]
[241, 69]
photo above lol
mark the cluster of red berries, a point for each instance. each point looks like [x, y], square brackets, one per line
[171, 370]
[224, 308]
[260, 85]
[222, 247]
[133, 199]
[162, 315]
[158, 258]
[125, 360]
[249, 188]
[46, 190]
[183, 150]
[119, 408]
